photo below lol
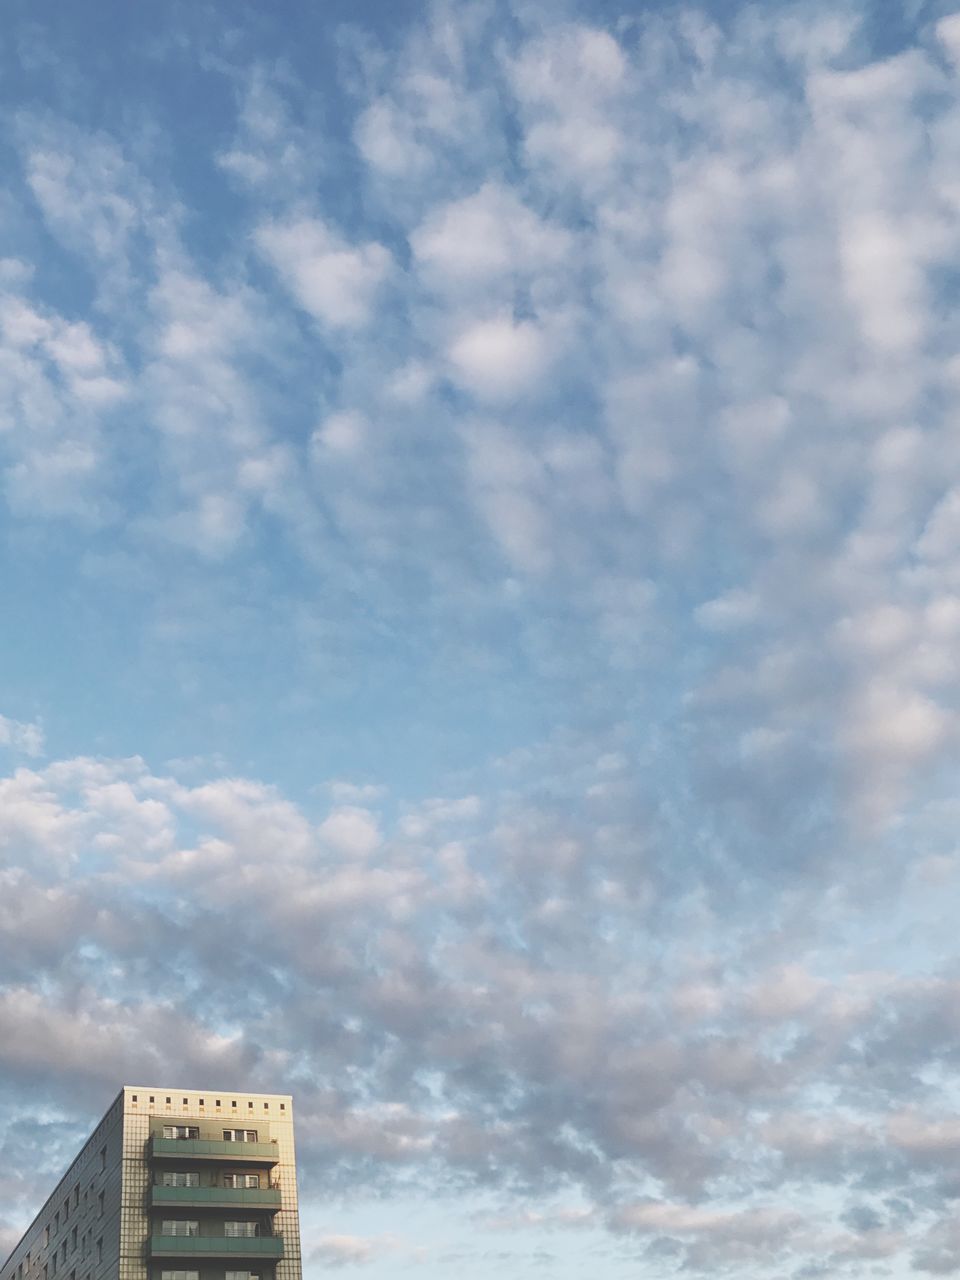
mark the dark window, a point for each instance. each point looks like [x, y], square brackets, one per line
[133, 1097]
[151, 1097]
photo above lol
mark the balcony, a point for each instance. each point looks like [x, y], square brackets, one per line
[255, 1247]
[264, 1153]
[263, 1198]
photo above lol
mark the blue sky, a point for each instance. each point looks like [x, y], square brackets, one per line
[480, 507]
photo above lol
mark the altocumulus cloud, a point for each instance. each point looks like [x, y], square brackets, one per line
[571, 401]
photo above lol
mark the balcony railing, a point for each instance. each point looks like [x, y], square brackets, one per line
[267, 1198]
[211, 1149]
[267, 1247]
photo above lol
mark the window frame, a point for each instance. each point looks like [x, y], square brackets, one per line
[192, 1225]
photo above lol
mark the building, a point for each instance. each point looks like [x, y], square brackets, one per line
[173, 1184]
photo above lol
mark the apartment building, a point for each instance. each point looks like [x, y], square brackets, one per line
[173, 1184]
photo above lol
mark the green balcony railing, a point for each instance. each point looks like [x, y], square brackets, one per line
[270, 1247]
[211, 1149]
[267, 1198]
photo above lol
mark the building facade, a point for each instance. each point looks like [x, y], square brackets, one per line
[173, 1184]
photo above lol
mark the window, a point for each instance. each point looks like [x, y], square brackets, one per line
[100, 1205]
[179, 1275]
[181, 1180]
[133, 1097]
[168, 1102]
[179, 1227]
[181, 1131]
[103, 1158]
[56, 1223]
[250, 1106]
[266, 1106]
[241, 1179]
[201, 1102]
[53, 1264]
[283, 1106]
[73, 1239]
[63, 1252]
[66, 1209]
[100, 1249]
[151, 1097]
[46, 1236]
[244, 1229]
[239, 1135]
[242, 1275]
[76, 1195]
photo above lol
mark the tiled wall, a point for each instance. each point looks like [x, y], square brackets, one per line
[125, 1224]
[81, 1187]
[234, 1111]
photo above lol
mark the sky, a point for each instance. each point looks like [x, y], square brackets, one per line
[480, 597]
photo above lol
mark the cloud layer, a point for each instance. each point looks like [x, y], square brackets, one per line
[482, 509]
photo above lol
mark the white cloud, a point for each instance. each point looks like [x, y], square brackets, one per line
[351, 831]
[500, 358]
[335, 282]
[476, 240]
[22, 736]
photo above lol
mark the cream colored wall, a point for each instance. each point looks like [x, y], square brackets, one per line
[144, 1117]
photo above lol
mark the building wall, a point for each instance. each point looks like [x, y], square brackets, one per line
[123, 1135]
[96, 1171]
[146, 1110]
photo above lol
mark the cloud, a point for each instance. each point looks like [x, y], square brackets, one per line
[549, 428]
[335, 283]
[22, 737]
[500, 358]
[475, 241]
